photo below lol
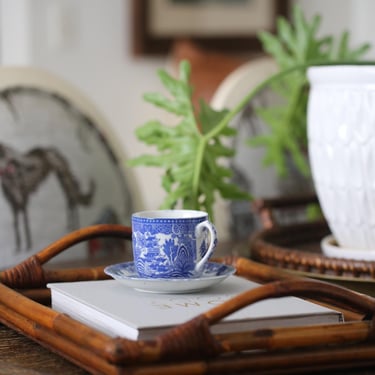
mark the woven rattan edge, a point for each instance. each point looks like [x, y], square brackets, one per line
[279, 247]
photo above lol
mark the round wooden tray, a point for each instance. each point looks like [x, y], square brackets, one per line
[296, 248]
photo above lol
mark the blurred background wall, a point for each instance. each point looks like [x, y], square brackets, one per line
[88, 42]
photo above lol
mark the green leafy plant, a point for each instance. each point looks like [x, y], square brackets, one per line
[190, 152]
[295, 44]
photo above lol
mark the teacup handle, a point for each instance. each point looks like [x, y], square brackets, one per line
[213, 241]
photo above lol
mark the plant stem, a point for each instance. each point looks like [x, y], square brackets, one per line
[198, 167]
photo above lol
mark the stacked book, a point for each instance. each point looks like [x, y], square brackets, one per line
[118, 310]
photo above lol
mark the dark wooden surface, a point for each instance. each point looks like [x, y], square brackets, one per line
[20, 355]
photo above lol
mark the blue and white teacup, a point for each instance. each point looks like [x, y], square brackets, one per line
[172, 243]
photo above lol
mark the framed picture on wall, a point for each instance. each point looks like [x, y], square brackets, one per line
[224, 25]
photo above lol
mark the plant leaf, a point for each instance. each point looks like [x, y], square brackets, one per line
[190, 152]
[296, 43]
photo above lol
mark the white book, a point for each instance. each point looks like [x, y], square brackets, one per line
[117, 310]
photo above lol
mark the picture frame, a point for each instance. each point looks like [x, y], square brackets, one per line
[221, 25]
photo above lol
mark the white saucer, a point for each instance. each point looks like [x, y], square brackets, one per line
[331, 248]
[126, 273]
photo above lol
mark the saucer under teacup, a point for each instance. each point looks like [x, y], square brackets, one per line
[126, 273]
[331, 248]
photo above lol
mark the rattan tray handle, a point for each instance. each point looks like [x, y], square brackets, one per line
[30, 273]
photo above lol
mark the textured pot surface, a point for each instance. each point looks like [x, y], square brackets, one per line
[341, 134]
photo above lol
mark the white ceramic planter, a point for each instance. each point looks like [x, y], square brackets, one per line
[341, 133]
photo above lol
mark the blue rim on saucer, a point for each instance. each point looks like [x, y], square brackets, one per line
[213, 274]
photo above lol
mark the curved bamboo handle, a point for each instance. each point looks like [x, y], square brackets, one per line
[30, 274]
[80, 235]
[196, 338]
[316, 290]
[263, 273]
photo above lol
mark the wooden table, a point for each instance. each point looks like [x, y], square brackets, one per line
[20, 355]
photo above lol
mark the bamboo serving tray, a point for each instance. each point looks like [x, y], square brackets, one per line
[191, 348]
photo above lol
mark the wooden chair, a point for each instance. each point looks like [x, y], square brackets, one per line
[61, 166]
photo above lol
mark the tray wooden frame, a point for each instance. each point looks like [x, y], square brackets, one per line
[190, 347]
